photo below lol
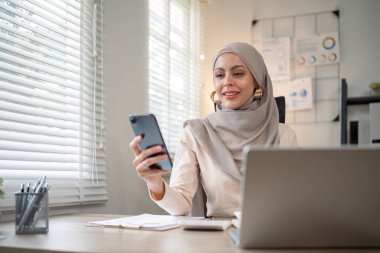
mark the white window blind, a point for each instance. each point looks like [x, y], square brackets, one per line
[51, 99]
[174, 64]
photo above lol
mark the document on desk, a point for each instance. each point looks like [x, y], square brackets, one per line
[143, 221]
[237, 220]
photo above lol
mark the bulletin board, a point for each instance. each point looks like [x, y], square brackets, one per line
[308, 48]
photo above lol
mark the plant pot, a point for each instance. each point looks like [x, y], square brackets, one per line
[375, 92]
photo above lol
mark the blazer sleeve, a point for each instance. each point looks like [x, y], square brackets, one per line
[179, 193]
[288, 136]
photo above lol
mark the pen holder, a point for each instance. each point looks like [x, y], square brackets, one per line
[32, 213]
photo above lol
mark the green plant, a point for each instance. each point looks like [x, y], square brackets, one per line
[1, 191]
[374, 85]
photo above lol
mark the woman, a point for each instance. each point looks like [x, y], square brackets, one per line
[210, 149]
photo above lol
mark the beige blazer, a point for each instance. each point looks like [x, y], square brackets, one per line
[222, 191]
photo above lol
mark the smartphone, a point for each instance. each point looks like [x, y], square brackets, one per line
[146, 125]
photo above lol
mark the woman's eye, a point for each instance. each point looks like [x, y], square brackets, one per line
[219, 75]
[238, 74]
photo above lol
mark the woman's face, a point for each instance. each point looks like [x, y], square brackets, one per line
[233, 82]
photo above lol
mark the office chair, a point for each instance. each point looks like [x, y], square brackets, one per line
[199, 200]
[280, 101]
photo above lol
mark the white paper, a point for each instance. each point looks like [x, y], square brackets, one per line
[317, 50]
[298, 93]
[237, 214]
[276, 54]
[143, 221]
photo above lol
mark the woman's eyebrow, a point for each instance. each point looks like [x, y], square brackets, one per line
[232, 68]
[238, 66]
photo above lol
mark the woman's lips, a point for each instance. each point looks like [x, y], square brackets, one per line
[230, 94]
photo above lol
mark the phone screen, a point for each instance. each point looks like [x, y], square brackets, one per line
[146, 125]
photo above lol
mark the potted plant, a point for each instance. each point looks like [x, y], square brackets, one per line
[1, 191]
[375, 88]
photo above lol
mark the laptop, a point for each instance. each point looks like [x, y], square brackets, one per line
[310, 198]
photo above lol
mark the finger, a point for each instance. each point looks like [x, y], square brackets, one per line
[141, 167]
[152, 172]
[147, 163]
[137, 161]
[146, 153]
[151, 161]
[134, 145]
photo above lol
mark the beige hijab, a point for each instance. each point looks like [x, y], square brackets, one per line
[223, 134]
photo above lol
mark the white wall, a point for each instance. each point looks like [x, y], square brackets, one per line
[126, 77]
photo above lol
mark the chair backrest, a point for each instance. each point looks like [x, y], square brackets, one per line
[199, 199]
[199, 208]
[281, 108]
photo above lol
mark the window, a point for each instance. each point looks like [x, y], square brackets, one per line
[51, 99]
[174, 65]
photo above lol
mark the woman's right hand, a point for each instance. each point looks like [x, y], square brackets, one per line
[142, 162]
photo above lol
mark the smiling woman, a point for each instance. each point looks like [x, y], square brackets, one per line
[209, 155]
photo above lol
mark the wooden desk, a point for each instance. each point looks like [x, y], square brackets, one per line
[68, 233]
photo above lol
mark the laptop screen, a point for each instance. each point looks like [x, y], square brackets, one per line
[310, 197]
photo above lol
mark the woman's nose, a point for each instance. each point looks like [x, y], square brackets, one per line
[228, 80]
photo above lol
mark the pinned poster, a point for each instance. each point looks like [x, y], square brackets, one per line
[276, 54]
[317, 50]
[298, 94]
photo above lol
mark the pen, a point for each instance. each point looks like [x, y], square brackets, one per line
[22, 198]
[46, 187]
[36, 215]
[32, 204]
[33, 187]
[43, 189]
[40, 184]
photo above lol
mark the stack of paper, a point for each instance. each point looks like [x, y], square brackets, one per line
[204, 224]
[236, 221]
[143, 221]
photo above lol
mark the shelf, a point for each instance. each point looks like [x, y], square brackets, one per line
[345, 102]
[363, 100]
